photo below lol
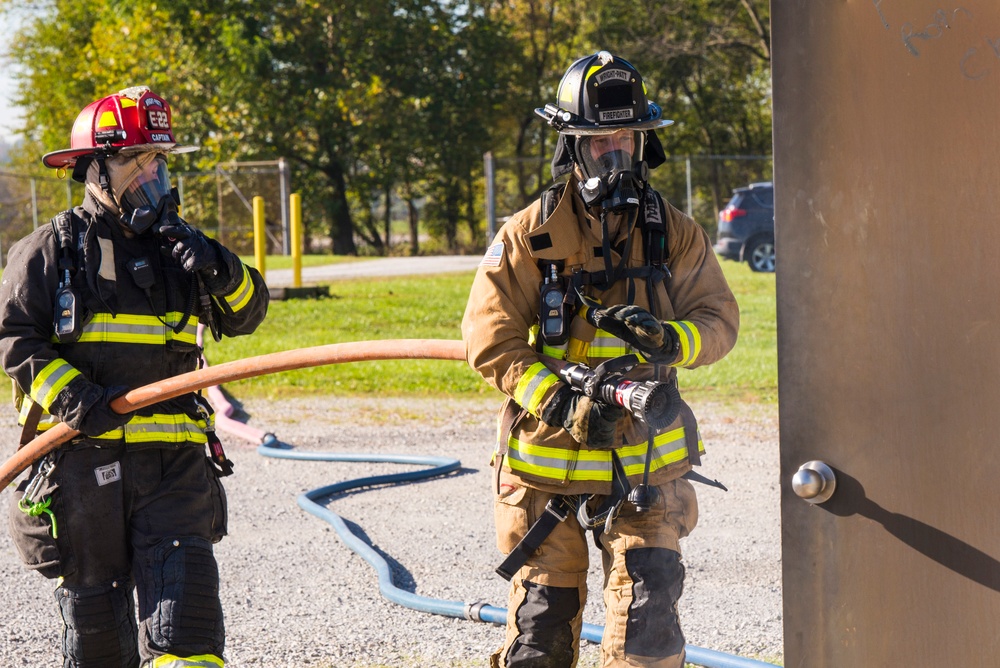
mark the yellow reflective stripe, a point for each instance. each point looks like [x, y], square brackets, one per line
[690, 341]
[565, 464]
[240, 297]
[557, 353]
[50, 380]
[199, 661]
[45, 421]
[607, 346]
[543, 461]
[159, 428]
[668, 448]
[533, 385]
[142, 329]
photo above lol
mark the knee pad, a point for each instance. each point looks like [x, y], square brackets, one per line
[653, 628]
[99, 628]
[545, 625]
[185, 614]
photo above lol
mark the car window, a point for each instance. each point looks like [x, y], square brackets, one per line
[764, 197]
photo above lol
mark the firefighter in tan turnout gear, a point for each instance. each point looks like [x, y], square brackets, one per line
[106, 298]
[601, 284]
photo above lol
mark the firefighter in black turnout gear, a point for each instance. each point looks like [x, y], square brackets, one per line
[106, 298]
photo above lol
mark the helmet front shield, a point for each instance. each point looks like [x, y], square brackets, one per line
[599, 94]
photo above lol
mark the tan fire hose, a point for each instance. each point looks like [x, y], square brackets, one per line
[334, 353]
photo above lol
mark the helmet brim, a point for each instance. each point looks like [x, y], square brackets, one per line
[67, 158]
[581, 130]
[586, 128]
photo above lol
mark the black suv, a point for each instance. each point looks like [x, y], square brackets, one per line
[746, 227]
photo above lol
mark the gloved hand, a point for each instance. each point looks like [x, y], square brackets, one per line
[99, 418]
[640, 329]
[590, 422]
[190, 248]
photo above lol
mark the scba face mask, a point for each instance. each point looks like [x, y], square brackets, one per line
[613, 169]
[142, 186]
[144, 217]
[150, 185]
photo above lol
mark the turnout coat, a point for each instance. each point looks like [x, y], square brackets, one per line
[130, 336]
[500, 330]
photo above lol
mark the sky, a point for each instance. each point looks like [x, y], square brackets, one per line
[9, 114]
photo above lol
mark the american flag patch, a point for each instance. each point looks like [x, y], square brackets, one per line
[493, 256]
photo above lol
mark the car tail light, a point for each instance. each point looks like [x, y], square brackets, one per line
[729, 213]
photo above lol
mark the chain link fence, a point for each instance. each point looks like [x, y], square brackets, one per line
[699, 185]
[219, 202]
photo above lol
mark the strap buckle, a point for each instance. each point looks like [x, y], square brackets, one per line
[45, 468]
[558, 508]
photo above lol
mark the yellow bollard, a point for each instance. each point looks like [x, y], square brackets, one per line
[259, 235]
[295, 207]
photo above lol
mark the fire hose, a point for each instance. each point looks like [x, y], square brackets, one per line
[337, 353]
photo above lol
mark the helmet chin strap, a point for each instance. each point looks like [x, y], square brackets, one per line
[102, 195]
[102, 176]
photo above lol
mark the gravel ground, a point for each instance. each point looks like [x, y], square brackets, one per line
[296, 596]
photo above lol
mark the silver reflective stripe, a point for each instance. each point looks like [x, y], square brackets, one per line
[240, 297]
[142, 329]
[173, 661]
[51, 380]
[168, 428]
[690, 339]
[607, 346]
[532, 459]
[533, 385]
[565, 464]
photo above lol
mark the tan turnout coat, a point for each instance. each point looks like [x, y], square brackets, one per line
[501, 319]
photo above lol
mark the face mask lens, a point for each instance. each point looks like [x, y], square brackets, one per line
[152, 184]
[601, 155]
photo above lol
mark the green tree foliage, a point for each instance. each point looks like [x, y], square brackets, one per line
[376, 101]
[707, 62]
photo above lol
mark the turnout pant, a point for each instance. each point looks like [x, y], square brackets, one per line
[129, 521]
[643, 580]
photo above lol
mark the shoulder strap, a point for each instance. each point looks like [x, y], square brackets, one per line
[655, 228]
[63, 227]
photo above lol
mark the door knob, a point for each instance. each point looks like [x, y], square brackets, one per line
[814, 482]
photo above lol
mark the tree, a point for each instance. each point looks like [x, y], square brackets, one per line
[548, 36]
[372, 99]
[707, 62]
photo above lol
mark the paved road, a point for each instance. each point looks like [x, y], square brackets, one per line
[390, 266]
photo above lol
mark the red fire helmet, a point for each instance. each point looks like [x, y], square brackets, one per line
[131, 120]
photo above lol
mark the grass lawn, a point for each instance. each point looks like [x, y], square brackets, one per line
[431, 307]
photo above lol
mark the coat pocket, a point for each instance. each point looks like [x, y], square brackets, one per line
[34, 530]
[512, 512]
[220, 505]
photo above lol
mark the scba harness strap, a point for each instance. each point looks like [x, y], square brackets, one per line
[654, 227]
[655, 270]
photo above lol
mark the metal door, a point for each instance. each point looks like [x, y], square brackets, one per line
[887, 183]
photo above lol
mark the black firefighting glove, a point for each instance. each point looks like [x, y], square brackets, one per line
[591, 423]
[190, 248]
[99, 418]
[638, 328]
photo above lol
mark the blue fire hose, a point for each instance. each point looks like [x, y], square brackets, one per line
[438, 466]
